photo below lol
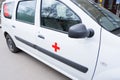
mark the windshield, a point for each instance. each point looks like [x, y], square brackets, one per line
[102, 16]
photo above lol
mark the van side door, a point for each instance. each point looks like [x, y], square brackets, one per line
[24, 24]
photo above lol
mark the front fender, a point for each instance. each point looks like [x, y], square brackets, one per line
[113, 74]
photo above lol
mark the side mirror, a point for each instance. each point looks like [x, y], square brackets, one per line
[80, 31]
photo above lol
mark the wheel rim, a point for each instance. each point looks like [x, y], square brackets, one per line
[10, 44]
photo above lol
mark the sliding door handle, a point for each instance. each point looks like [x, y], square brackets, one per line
[40, 36]
[13, 26]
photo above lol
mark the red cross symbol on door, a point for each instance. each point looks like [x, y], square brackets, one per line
[55, 46]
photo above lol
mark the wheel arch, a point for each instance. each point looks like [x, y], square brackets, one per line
[5, 34]
[11, 44]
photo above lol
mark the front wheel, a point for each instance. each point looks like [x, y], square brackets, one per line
[11, 45]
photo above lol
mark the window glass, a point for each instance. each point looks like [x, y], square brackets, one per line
[8, 9]
[57, 15]
[110, 4]
[105, 18]
[26, 11]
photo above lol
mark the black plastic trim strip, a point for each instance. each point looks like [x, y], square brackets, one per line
[55, 56]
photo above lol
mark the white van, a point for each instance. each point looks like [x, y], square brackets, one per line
[76, 37]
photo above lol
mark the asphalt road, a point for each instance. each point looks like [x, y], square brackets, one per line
[23, 67]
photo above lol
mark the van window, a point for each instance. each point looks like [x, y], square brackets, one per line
[56, 15]
[106, 19]
[26, 11]
[8, 9]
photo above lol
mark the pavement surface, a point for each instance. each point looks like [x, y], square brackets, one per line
[24, 67]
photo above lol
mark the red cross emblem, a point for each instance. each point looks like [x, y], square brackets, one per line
[55, 46]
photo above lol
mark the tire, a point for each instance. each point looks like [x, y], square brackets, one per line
[11, 45]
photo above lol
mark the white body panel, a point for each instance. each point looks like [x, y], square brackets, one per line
[108, 64]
